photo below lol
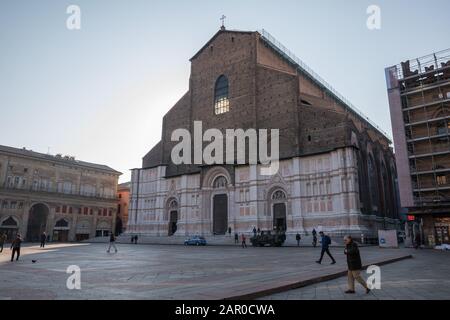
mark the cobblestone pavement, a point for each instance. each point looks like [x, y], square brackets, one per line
[426, 276]
[168, 272]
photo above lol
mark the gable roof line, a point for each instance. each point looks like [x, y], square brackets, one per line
[215, 36]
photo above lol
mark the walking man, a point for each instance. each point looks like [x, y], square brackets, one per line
[314, 233]
[43, 239]
[236, 238]
[2, 241]
[298, 238]
[254, 231]
[15, 246]
[112, 240]
[244, 239]
[354, 265]
[326, 241]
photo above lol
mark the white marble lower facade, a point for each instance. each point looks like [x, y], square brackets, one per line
[313, 192]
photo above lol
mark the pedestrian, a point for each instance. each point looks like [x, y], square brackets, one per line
[354, 265]
[2, 241]
[254, 231]
[236, 238]
[229, 231]
[326, 241]
[112, 240]
[15, 246]
[132, 239]
[259, 231]
[135, 239]
[298, 238]
[314, 233]
[244, 239]
[417, 241]
[43, 239]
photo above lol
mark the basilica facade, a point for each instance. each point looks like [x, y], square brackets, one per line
[336, 169]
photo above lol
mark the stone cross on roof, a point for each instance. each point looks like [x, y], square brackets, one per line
[223, 22]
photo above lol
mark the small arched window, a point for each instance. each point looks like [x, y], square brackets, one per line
[221, 101]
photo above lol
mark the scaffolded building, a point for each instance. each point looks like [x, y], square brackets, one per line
[419, 98]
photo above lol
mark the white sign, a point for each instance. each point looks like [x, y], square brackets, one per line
[387, 238]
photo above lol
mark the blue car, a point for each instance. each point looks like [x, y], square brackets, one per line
[195, 241]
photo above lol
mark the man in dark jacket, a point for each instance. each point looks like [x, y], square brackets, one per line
[2, 241]
[354, 265]
[298, 238]
[314, 234]
[236, 238]
[15, 246]
[43, 239]
[112, 240]
[326, 241]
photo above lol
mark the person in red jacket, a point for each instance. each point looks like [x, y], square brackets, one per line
[244, 244]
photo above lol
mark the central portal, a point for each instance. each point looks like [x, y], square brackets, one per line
[220, 214]
[279, 216]
[173, 222]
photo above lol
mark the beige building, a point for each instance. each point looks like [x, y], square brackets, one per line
[70, 200]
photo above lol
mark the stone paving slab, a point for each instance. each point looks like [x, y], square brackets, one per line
[424, 277]
[166, 272]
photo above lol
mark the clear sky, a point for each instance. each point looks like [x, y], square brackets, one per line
[100, 93]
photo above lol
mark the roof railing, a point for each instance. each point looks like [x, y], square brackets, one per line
[425, 64]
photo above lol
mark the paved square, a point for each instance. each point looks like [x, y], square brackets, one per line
[166, 272]
[425, 277]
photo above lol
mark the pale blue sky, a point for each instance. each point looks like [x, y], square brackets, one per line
[100, 93]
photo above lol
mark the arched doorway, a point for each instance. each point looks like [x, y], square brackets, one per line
[37, 222]
[279, 210]
[61, 231]
[173, 217]
[9, 227]
[220, 206]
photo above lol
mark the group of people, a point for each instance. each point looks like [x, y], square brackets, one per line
[243, 240]
[15, 245]
[354, 264]
[112, 242]
[351, 251]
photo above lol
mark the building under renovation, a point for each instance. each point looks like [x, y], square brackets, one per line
[419, 98]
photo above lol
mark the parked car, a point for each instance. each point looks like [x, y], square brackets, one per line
[195, 241]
